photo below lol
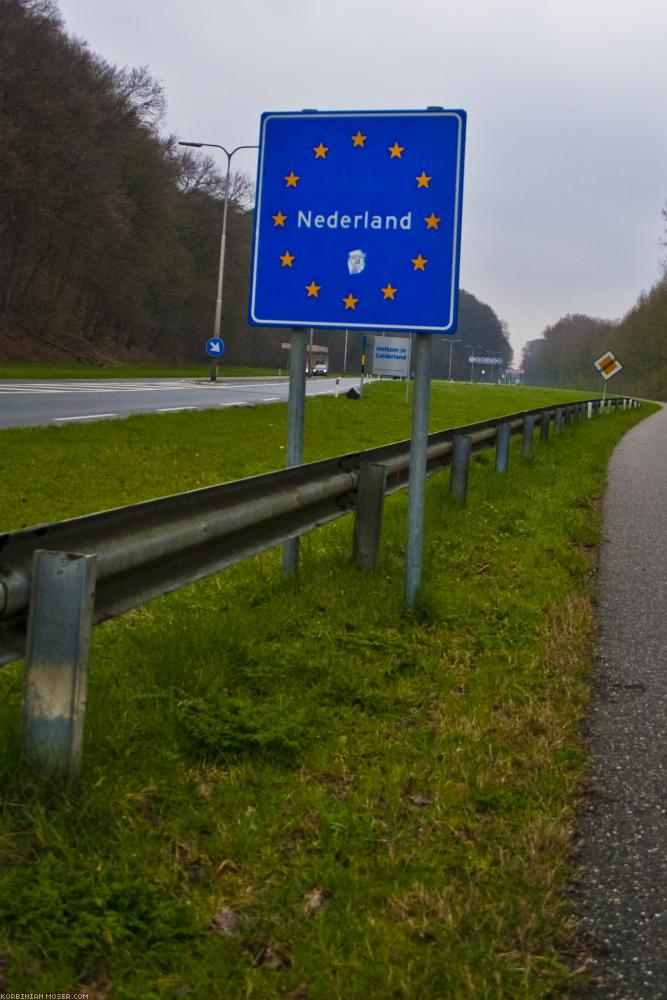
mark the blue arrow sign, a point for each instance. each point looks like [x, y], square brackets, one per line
[358, 220]
[215, 347]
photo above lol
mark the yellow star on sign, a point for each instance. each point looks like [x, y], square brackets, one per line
[320, 151]
[359, 139]
[389, 292]
[419, 262]
[432, 221]
[396, 150]
[350, 301]
[287, 258]
[292, 179]
[423, 180]
[279, 219]
[313, 289]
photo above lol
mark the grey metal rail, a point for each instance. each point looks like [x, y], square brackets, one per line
[149, 549]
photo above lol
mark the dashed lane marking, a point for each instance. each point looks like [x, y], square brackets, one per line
[88, 416]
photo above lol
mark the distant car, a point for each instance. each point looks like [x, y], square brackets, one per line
[320, 370]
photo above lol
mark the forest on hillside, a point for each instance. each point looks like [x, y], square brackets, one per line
[110, 232]
[564, 354]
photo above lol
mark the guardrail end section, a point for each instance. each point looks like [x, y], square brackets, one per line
[60, 618]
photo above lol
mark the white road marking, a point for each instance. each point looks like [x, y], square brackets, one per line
[88, 416]
[61, 387]
[173, 409]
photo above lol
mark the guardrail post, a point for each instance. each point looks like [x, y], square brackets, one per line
[368, 516]
[545, 419]
[60, 620]
[589, 410]
[503, 435]
[558, 419]
[458, 480]
[528, 431]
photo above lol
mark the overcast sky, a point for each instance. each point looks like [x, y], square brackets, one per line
[566, 159]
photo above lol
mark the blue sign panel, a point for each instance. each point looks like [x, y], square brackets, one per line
[358, 220]
[215, 347]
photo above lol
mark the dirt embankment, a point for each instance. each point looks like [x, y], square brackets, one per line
[20, 347]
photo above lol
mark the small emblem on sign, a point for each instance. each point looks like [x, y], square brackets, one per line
[356, 261]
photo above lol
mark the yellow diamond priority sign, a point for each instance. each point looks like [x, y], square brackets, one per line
[608, 365]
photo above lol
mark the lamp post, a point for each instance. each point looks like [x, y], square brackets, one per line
[223, 238]
[451, 344]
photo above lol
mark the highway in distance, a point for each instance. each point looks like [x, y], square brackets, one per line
[34, 402]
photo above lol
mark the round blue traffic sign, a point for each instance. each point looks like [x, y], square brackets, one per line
[215, 347]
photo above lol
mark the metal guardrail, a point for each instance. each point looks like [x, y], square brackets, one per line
[56, 580]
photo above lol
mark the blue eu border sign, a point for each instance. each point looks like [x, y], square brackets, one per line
[358, 220]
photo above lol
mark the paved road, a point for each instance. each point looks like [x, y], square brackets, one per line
[26, 403]
[623, 896]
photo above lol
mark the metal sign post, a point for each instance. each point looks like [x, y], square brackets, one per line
[418, 457]
[296, 405]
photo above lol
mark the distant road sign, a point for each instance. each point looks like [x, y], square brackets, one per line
[358, 220]
[215, 347]
[484, 361]
[391, 356]
[608, 365]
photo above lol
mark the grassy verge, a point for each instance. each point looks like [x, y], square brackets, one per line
[74, 371]
[304, 791]
[57, 472]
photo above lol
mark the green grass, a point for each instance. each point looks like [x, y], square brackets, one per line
[57, 472]
[56, 370]
[304, 784]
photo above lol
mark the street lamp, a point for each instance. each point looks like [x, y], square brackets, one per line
[223, 238]
[451, 344]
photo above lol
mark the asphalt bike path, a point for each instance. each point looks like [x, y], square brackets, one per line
[622, 898]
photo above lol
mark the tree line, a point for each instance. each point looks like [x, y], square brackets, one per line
[565, 353]
[110, 232]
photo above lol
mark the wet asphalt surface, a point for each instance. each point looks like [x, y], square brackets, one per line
[622, 898]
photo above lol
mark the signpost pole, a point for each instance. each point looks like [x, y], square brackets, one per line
[451, 344]
[296, 406]
[363, 365]
[407, 378]
[418, 459]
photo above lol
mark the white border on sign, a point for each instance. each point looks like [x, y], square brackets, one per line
[268, 321]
